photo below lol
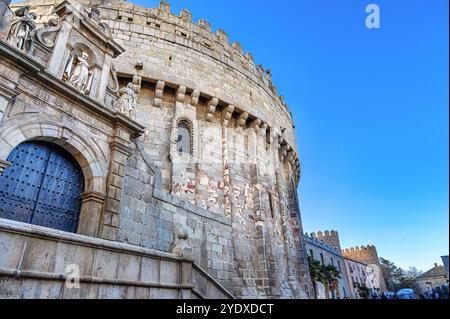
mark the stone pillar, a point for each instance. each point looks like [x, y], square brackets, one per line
[104, 77]
[159, 91]
[120, 151]
[284, 219]
[91, 212]
[253, 133]
[7, 96]
[226, 116]
[55, 64]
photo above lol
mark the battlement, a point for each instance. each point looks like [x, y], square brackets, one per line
[330, 237]
[313, 240]
[178, 28]
[367, 254]
[181, 29]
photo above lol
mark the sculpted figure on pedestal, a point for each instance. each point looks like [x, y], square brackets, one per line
[81, 76]
[22, 29]
[126, 102]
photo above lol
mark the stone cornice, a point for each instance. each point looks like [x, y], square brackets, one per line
[8, 92]
[65, 8]
[37, 70]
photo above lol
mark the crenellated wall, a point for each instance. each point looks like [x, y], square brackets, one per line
[328, 254]
[329, 237]
[366, 254]
[369, 256]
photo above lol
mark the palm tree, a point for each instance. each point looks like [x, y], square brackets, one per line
[316, 273]
[332, 276]
[364, 291]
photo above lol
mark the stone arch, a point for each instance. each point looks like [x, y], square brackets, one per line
[183, 123]
[92, 161]
[189, 117]
[94, 60]
[43, 186]
[94, 57]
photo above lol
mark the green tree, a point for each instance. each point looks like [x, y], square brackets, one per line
[332, 276]
[316, 273]
[364, 292]
[396, 278]
[327, 275]
[392, 274]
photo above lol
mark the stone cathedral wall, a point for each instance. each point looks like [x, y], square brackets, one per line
[233, 197]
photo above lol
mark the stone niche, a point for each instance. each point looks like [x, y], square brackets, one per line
[57, 84]
[73, 45]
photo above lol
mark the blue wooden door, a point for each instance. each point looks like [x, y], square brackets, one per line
[43, 186]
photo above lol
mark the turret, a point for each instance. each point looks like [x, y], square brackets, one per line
[329, 237]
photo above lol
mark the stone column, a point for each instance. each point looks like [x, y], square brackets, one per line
[91, 212]
[120, 151]
[55, 66]
[253, 135]
[103, 82]
[226, 116]
[284, 219]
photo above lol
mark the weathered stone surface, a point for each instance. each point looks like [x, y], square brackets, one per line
[228, 201]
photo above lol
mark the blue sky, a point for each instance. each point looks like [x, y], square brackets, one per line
[370, 108]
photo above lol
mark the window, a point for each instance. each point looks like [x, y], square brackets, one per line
[332, 262]
[339, 265]
[311, 254]
[184, 143]
[321, 259]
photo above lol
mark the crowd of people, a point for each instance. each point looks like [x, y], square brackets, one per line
[436, 293]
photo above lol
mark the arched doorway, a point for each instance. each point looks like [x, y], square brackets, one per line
[43, 186]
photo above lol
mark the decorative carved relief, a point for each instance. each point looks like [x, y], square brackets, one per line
[194, 97]
[126, 103]
[227, 113]
[22, 29]
[181, 92]
[255, 125]
[242, 119]
[211, 108]
[47, 34]
[113, 82]
[158, 93]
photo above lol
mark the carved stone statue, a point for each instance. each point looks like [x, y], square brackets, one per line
[81, 76]
[181, 247]
[126, 103]
[46, 35]
[22, 29]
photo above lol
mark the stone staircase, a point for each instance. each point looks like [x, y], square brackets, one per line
[37, 262]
